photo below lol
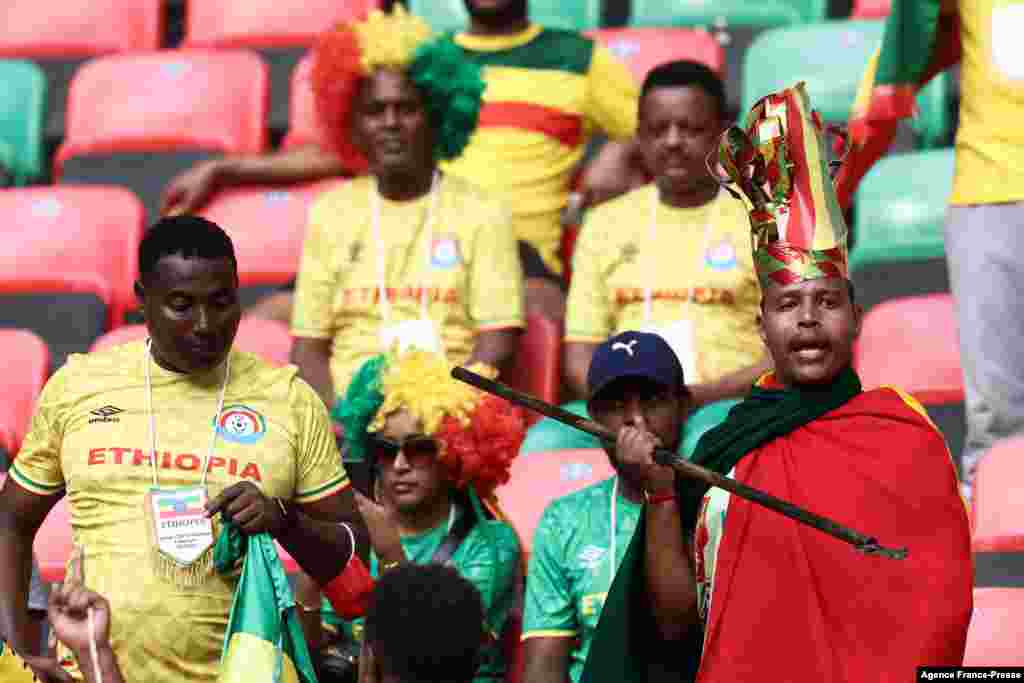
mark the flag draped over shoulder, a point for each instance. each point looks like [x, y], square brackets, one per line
[919, 42]
[264, 641]
[790, 603]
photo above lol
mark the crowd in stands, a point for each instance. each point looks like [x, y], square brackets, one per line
[553, 195]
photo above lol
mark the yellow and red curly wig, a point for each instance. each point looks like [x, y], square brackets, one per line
[451, 84]
[478, 434]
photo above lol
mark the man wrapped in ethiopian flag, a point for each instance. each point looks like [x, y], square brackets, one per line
[761, 596]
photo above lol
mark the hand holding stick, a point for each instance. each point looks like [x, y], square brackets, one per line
[863, 543]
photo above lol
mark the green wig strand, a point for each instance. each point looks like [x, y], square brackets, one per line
[362, 400]
[454, 88]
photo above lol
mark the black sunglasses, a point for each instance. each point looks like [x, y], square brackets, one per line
[415, 446]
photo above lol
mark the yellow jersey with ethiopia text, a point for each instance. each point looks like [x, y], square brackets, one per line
[466, 263]
[548, 91]
[697, 264]
[90, 438]
[990, 139]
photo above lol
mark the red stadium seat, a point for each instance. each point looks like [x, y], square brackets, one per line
[997, 628]
[76, 28]
[172, 99]
[999, 499]
[69, 262]
[302, 125]
[267, 338]
[60, 36]
[140, 120]
[266, 23]
[267, 226]
[26, 363]
[870, 9]
[539, 478]
[912, 343]
[54, 542]
[642, 49]
[537, 369]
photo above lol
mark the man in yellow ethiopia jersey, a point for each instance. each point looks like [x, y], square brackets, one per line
[548, 92]
[672, 257]
[407, 254]
[148, 440]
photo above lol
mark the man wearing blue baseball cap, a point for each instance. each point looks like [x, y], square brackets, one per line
[636, 388]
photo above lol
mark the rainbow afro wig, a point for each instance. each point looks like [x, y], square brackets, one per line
[478, 434]
[451, 84]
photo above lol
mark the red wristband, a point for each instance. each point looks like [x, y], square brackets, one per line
[657, 498]
[349, 591]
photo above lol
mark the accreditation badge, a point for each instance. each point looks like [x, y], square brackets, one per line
[420, 334]
[182, 532]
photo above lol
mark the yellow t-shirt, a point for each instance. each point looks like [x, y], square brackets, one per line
[697, 259]
[547, 92]
[473, 279]
[90, 437]
[990, 140]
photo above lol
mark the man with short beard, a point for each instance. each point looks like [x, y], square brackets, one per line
[779, 600]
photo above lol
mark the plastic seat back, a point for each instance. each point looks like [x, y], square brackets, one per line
[69, 265]
[22, 116]
[642, 49]
[537, 368]
[999, 499]
[539, 478]
[997, 628]
[266, 23]
[25, 365]
[738, 12]
[78, 28]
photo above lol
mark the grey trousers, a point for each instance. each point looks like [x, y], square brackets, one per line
[985, 252]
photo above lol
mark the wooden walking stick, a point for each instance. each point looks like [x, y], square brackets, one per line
[865, 544]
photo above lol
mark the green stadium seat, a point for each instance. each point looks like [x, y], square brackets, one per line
[551, 435]
[22, 114]
[831, 58]
[700, 421]
[736, 12]
[900, 214]
[451, 15]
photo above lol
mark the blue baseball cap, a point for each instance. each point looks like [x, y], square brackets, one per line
[634, 354]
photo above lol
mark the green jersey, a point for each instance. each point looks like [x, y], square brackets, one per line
[575, 557]
[489, 558]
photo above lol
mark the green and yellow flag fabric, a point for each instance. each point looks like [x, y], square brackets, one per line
[922, 38]
[264, 641]
[12, 667]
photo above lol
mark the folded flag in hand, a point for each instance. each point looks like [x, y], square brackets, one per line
[264, 641]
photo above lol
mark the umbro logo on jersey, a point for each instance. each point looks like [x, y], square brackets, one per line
[106, 411]
[105, 414]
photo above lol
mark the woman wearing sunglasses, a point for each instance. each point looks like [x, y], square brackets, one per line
[437, 449]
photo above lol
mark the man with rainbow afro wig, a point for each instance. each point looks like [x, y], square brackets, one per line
[404, 254]
[438, 448]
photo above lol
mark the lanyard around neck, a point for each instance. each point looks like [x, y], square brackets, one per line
[152, 416]
[652, 229]
[382, 270]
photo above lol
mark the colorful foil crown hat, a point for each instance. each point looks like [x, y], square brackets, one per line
[779, 164]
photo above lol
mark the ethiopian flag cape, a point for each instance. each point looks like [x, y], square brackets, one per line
[922, 38]
[264, 641]
[787, 601]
